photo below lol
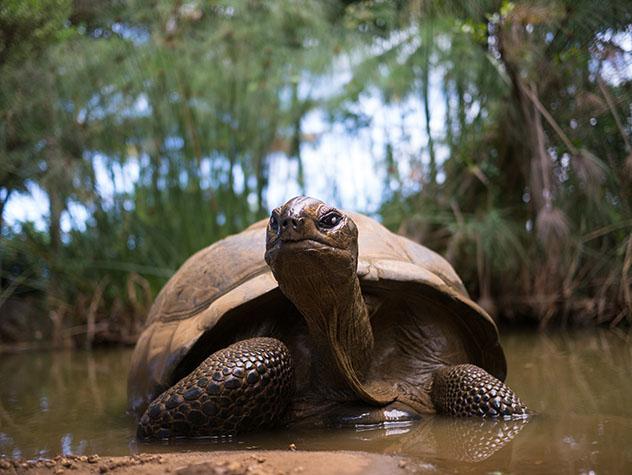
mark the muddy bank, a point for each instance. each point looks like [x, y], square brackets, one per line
[219, 463]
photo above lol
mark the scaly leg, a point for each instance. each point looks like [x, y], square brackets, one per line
[467, 390]
[244, 387]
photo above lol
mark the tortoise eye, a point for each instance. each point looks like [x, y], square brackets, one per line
[330, 220]
[274, 223]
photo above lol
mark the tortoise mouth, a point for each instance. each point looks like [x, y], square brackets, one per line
[304, 248]
[305, 244]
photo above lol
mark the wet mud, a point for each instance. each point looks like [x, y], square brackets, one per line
[218, 463]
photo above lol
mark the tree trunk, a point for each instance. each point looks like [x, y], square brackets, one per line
[56, 208]
[3, 202]
[262, 182]
[425, 98]
[295, 145]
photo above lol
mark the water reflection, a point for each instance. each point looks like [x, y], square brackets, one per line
[470, 440]
[63, 402]
[74, 403]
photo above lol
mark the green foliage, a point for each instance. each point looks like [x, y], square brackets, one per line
[526, 189]
[193, 96]
[535, 206]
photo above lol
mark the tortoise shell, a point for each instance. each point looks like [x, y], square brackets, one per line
[226, 292]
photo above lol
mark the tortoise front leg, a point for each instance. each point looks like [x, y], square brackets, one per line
[467, 390]
[246, 386]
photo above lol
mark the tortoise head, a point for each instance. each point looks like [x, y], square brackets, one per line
[312, 249]
[308, 237]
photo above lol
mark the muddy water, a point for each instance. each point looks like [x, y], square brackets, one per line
[580, 384]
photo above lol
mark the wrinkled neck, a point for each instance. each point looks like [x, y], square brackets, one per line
[338, 325]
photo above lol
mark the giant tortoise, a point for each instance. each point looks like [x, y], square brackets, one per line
[314, 316]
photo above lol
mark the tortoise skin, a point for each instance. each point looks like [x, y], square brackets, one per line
[245, 386]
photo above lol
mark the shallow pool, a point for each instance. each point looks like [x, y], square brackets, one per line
[580, 383]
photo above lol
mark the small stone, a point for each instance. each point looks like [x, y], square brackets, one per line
[292, 447]
[103, 468]
[59, 471]
[93, 458]
[66, 463]
[402, 464]
[82, 458]
[5, 465]
[49, 463]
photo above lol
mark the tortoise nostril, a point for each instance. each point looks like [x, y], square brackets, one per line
[295, 222]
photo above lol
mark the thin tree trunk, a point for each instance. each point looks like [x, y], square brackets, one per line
[54, 229]
[460, 92]
[229, 206]
[92, 312]
[295, 145]
[3, 201]
[448, 118]
[262, 181]
[425, 96]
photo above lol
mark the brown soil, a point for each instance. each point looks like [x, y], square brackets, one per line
[217, 463]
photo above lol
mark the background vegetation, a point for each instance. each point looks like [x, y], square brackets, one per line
[519, 170]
